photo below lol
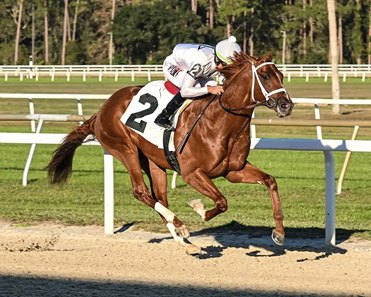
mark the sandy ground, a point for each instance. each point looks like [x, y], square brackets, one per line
[49, 260]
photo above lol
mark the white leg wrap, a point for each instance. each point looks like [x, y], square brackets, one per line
[198, 207]
[165, 212]
[177, 238]
[202, 213]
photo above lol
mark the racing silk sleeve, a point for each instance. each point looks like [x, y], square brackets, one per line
[189, 90]
[198, 61]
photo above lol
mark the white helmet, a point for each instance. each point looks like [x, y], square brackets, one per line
[225, 49]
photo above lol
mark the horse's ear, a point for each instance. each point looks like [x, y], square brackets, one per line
[251, 59]
[236, 55]
[269, 57]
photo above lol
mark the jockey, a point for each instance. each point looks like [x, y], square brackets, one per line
[190, 67]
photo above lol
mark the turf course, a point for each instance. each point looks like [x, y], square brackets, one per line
[300, 175]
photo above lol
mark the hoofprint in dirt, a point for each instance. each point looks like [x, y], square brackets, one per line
[52, 260]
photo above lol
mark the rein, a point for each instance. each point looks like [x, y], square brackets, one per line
[233, 110]
[186, 137]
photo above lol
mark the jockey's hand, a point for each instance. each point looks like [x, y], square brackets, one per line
[215, 90]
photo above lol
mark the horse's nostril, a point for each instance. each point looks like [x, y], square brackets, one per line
[284, 106]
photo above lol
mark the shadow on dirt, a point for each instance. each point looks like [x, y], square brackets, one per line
[40, 286]
[124, 228]
[258, 239]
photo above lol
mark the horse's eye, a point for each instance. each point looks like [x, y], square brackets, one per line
[265, 76]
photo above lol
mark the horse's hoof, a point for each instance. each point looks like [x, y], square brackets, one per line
[193, 250]
[278, 239]
[182, 231]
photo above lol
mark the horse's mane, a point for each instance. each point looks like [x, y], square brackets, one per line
[241, 60]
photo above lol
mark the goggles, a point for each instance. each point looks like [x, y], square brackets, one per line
[218, 61]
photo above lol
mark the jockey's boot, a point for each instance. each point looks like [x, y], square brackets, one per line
[164, 119]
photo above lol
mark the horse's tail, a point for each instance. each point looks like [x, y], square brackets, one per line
[60, 166]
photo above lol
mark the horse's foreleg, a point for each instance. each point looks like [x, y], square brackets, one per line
[252, 175]
[202, 183]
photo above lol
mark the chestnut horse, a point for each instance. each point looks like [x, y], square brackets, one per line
[218, 145]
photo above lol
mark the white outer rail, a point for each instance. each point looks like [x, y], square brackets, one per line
[289, 70]
[327, 146]
[158, 67]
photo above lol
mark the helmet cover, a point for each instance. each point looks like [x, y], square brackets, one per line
[225, 49]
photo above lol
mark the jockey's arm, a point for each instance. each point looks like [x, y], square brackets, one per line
[189, 88]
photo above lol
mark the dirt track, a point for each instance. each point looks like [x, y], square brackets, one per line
[80, 261]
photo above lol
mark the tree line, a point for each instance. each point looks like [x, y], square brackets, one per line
[145, 31]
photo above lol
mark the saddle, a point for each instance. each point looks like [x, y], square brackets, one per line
[144, 108]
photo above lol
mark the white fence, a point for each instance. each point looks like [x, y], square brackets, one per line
[362, 71]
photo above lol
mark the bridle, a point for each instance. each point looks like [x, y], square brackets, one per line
[269, 102]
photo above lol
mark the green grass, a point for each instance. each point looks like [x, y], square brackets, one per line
[300, 175]
[80, 202]
[317, 88]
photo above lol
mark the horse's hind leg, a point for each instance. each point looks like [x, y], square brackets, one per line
[251, 174]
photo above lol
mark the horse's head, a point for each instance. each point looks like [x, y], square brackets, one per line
[264, 80]
[267, 86]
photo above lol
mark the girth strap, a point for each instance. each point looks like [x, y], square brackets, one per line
[170, 155]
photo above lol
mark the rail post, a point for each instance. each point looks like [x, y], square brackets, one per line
[108, 194]
[30, 156]
[330, 232]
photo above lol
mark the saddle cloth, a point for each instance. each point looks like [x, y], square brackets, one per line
[145, 107]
